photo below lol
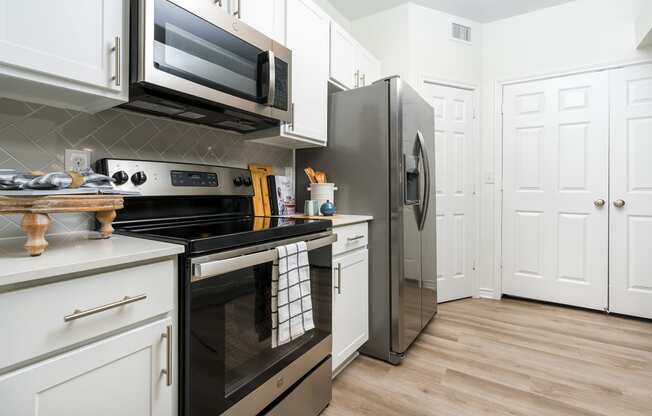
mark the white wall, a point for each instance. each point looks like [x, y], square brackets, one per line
[384, 34]
[412, 41]
[575, 35]
[334, 13]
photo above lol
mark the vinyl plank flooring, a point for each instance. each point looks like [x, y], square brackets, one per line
[508, 357]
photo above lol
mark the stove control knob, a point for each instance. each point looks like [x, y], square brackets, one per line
[247, 181]
[237, 181]
[138, 178]
[120, 177]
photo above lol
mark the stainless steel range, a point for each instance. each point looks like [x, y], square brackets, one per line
[228, 365]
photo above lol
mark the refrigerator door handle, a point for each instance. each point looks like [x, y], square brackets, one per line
[426, 194]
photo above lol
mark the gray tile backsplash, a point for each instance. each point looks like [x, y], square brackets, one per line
[34, 137]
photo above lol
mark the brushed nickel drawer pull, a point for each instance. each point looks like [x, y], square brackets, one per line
[77, 314]
[359, 237]
[168, 360]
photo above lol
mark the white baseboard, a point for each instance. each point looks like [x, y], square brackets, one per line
[487, 294]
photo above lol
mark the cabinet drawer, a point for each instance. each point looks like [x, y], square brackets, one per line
[350, 237]
[33, 318]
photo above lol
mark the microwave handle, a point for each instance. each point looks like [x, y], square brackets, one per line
[271, 93]
[209, 269]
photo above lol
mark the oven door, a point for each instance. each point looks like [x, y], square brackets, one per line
[196, 49]
[228, 341]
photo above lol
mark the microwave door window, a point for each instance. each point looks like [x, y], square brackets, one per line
[198, 51]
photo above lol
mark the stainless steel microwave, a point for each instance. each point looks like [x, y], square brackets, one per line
[193, 61]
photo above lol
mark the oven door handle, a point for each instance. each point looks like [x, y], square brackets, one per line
[209, 269]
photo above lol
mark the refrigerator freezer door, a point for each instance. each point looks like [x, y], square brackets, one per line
[412, 258]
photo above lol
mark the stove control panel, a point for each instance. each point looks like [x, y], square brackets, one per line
[151, 178]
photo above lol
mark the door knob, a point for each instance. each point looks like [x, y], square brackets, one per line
[619, 203]
[599, 203]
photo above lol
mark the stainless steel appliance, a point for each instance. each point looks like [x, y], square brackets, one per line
[381, 154]
[228, 365]
[192, 61]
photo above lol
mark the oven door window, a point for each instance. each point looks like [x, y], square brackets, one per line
[192, 48]
[230, 346]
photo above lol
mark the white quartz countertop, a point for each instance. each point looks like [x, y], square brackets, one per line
[340, 220]
[75, 253]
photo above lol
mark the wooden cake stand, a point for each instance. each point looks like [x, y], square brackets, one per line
[35, 210]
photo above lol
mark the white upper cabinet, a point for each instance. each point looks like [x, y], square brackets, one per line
[266, 16]
[68, 54]
[351, 65]
[368, 67]
[343, 58]
[307, 37]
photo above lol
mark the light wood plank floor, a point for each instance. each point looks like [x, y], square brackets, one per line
[509, 357]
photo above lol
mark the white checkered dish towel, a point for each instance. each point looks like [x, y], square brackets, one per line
[291, 300]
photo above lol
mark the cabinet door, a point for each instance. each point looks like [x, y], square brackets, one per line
[266, 16]
[350, 304]
[342, 58]
[307, 37]
[368, 66]
[73, 40]
[121, 375]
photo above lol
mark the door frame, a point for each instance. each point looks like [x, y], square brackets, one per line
[476, 291]
[498, 135]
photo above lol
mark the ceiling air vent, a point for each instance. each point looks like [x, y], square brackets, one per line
[461, 32]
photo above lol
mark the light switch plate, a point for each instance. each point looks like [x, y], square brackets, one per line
[77, 160]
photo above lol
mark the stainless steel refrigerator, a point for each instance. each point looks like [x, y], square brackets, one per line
[381, 155]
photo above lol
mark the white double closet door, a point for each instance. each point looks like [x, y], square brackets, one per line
[573, 148]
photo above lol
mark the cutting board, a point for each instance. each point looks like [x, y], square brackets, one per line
[259, 174]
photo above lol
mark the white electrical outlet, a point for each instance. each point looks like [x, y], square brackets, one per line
[77, 160]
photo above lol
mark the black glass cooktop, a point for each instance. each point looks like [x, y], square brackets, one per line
[216, 235]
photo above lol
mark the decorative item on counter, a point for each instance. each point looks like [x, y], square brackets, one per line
[322, 192]
[281, 194]
[311, 208]
[328, 209]
[14, 180]
[259, 176]
[35, 210]
[315, 177]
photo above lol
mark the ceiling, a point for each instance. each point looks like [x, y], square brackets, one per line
[478, 10]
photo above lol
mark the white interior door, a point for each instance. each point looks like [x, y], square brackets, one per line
[454, 172]
[630, 276]
[555, 178]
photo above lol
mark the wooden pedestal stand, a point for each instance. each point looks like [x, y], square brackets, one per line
[35, 210]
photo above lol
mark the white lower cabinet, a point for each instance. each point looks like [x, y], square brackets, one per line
[120, 375]
[350, 297]
[100, 344]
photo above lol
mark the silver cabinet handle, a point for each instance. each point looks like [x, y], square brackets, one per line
[363, 77]
[358, 237]
[218, 2]
[619, 203]
[167, 372]
[82, 314]
[339, 279]
[237, 13]
[118, 69]
[357, 78]
[599, 203]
